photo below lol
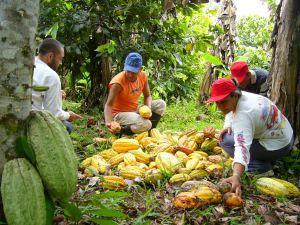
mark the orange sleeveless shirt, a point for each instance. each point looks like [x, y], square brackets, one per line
[127, 100]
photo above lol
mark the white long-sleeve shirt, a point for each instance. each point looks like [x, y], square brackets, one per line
[51, 99]
[256, 117]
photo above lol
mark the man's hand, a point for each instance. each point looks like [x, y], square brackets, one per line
[63, 94]
[235, 183]
[73, 116]
[113, 127]
[227, 130]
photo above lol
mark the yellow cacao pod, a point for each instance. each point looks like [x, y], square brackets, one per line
[85, 163]
[153, 176]
[164, 147]
[181, 177]
[183, 140]
[131, 172]
[152, 165]
[113, 182]
[114, 161]
[292, 189]
[196, 155]
[141, 136]
[184, 170]
[145, 112]
[192, 163]
[204, 154]
[125, 144]
[271, 186]
[129, 159]
[192, 145]
[108, 154]
[182, 157]
[214, 169]
[121, 166]
[198, 138]
[155, 133]
[167, 162]
[142, 166]
[100, 164]
[90, 171]
[141, 156]
[198, 174]
[217, 150]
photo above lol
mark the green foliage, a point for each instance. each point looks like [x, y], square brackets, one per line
[253, 37]
[102, 207]
[170, 45]
[189, 115]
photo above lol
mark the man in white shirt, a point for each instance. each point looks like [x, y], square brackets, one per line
[50, 56]
[256, 132]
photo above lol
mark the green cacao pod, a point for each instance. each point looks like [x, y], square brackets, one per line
[22, 194]
[54, 154]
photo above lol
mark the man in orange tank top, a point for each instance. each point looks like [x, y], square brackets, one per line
[122, 103]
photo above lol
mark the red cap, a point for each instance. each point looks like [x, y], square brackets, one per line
[221, 89]
[239, 70]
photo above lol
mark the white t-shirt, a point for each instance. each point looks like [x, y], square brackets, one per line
[256, 117]
[51, 99]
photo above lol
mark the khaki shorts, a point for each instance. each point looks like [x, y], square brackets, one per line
[139, 124]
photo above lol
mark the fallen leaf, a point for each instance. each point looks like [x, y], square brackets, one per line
[262, 209]
[292, 219]
[272, 219]
[218, 211]
[295, 208]
[93, 181]
[180, 219]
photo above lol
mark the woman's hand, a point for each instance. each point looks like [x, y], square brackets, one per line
[235, 183]
[227, 130]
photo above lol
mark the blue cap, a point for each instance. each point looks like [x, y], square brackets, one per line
[133, 62]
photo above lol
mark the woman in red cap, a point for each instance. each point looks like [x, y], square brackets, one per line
[255, 131]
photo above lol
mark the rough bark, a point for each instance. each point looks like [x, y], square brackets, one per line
[18, 23]
[224, 47]
[284, 76]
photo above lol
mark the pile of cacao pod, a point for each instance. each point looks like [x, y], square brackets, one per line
[49, 164]
[154, 157]
[175, 157]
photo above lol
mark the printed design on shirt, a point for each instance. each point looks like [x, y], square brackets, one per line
[135, 90]
[241, 142]
[265, 108]
[271, 115]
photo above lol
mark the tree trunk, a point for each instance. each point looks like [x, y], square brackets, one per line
[224, 49]
[18, 23]
[285, 65]
[100, 74]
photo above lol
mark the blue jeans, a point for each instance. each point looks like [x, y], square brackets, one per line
[260, 158]
[68, 126]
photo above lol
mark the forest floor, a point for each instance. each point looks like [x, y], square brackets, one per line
[142, 204]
